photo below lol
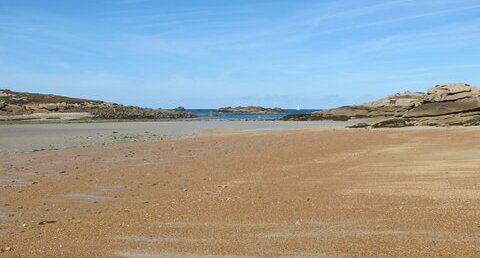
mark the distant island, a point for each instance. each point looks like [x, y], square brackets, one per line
[34, 106]
[442, 105]
[250, 110]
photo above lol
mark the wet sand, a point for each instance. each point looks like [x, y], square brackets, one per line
[292, 193]
[55, 135]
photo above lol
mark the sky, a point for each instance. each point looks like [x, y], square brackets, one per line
[208, 54]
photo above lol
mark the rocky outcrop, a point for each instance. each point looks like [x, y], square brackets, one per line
[442, 105]
[391, 106]
[444, 108]
[250, 109]
[450, 92]
[16, 105]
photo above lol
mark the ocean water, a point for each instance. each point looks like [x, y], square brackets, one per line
[206, 114]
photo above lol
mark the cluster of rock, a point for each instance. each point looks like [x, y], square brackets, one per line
[442, 105]
[250, 109]
[15, 104]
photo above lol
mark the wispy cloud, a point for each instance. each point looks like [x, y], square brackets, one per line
[283, 32]
[243, 48]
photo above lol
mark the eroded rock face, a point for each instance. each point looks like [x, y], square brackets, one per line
[442, 105]
[15, 109]
[449, 92]
[392, 123]
[460, 119]
[51, 107]
[400, 100]
[449, 88]
[444, 108]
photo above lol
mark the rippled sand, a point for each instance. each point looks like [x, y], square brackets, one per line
[292, 193]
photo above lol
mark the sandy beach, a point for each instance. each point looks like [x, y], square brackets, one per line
[211, 129]
[19, 137]
[313, 192]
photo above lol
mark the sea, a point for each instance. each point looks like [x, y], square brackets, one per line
[211, 114]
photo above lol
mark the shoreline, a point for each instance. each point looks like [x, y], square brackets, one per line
[28, 137]
[20, 137]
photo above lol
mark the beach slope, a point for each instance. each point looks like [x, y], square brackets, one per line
[316, 192]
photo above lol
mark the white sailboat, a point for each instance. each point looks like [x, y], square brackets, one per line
[298, 107]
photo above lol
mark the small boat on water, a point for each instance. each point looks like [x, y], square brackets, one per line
[298, 107]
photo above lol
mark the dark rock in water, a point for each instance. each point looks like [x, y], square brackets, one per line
[442, 105]
[180, 108]
[214, 114]
[250, 110]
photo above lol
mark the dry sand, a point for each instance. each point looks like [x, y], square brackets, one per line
[309, 193]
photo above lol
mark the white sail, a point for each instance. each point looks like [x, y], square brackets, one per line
[298, 107]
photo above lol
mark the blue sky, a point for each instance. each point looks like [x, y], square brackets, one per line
[206, 54]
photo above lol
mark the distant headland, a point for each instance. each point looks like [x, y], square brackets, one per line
[34, 106]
